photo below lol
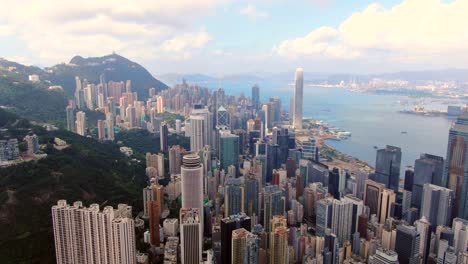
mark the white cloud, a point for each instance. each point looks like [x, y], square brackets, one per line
[253, 13]
[414, 31]
[54, 30]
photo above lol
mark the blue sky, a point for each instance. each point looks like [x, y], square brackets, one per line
[223, 37]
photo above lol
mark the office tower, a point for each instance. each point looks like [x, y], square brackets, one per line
[324, 215]
[256, 97]
[437, 204]
[233, 197]
[383, 256]
[309, 149]
[192, 184]
[70, 119]
[223, 117]
[101, 129]
[274, 203]
[32, 142]
[281, 138]
[460, 230]
[251, 195]
[372, 196]
[342, 217]
[228, 225]
[272, 155]
[229, 150]
[409, 179]
[427, 169]
[387, 198]
[357, 210]
[81, 123]
[163, 137]
[407, 244]
[387, 167]
[275, 102]
[336, 182]
[279, 242]
[455, 174]
[191, 236]
[298, 97]
[88, 235]
[110, 126]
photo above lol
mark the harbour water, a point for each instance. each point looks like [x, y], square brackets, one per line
[372, 119]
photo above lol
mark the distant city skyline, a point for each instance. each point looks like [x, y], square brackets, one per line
[219, 37]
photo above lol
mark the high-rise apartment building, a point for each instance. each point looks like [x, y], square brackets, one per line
[70, 118]
[81, 123]
[233, 197]
[88, 235]
[228, 225]
[245, 247]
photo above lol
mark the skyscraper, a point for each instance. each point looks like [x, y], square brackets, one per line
[427, 169]
[192, 184]
[298, 95]
[372, 196]
[70, 119]
[279, 244]
[273, 204]
[407, 244]
[197, 133]
[110, 126]
[437, 204]
[163, 137]
[229, 150]
[223, 117]
[88, 235]
[228, 225]
[191, 237]
[455, 171]
[256, 97]
[233, 197]
[101, 129]
[81, 123]
[324, 215]
[245, 247]
[387, 167]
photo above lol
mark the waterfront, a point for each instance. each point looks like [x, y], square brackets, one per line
[372, 119]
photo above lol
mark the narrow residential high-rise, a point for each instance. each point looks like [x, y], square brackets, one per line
[245, 247]
[191, 237]
[163, 137]
[88, 235]
[81, 123]
[455, 172]
[298, 98]
[70, 118]
[279, 252]
[233, 197]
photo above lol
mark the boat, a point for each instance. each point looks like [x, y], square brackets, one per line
[375, 147]
[404, 132]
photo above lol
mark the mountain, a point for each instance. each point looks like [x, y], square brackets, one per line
[87, 170]
[114, 67]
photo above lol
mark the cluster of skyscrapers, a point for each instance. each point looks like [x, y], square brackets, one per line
[253, 189]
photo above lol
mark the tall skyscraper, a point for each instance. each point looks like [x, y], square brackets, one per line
[455, 171]
[197, 133]
[233, 197]
[437, 204]
[223, 117]
[70, 118]
[427, 169]
[387, 167]
[88, 235]
[191, 236]
[279, 244]
[372, 196]
[274, 203]
[245, 247]
[163, 137]
[298, 96]
[407, 244]
[256, 97]
[175, 159]
[229, 150]
[81, 123]
[192, 184]
[101, 129]
[324, 215]
[110, 126]
[228, 225]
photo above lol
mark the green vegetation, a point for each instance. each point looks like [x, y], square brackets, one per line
[170, 118]
[89, 171]
[142, 141]
[33, 101]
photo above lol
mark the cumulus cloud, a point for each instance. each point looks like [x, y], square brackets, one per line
[413, 31]
[252, 12]
[55, 30]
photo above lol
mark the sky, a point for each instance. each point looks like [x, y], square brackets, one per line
[224, 37]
